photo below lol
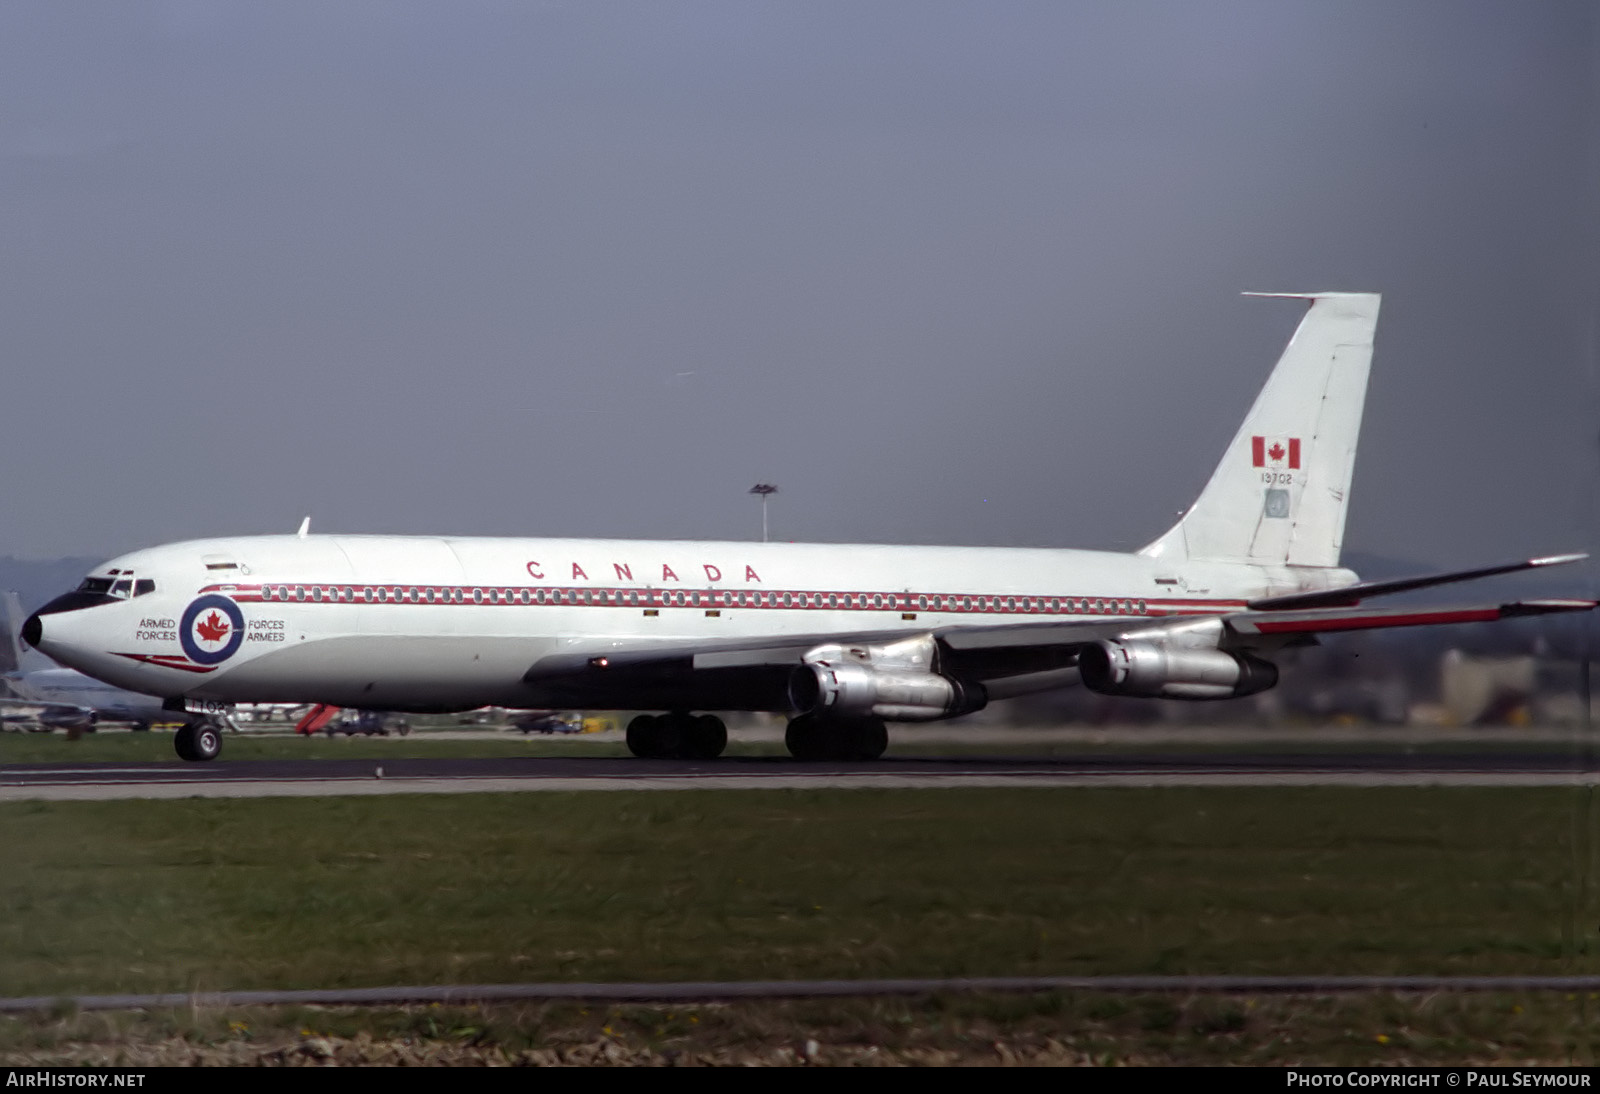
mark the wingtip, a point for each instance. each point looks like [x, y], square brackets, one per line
[1308, 295]
[1558, 560]
[1548, 606]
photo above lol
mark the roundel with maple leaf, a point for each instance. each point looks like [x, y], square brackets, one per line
[212, 630]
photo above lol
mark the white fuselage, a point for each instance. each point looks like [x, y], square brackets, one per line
[439, 623]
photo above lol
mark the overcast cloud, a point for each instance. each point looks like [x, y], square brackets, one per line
[945, 273]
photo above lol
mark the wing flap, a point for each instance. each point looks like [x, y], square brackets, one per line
[691, 653]
[766, 655]
[1005, 635]
[983, 652]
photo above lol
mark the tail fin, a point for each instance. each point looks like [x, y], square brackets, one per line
[1280, 494]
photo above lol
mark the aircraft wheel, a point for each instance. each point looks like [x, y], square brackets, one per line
[805, 738]
[198, 741]
[644, 737]
[207, 741]
[869, 738]
[703, 738]
[672, 731]
[811, 738]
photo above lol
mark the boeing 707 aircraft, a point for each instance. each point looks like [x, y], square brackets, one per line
[844, 638]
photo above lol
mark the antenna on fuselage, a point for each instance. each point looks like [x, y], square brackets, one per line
[305, 526]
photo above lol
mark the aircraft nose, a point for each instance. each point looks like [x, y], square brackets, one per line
[66, 632]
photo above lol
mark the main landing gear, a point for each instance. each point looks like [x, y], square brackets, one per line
[200, 739]
[812, 738]
[689, 737]
[677, 736]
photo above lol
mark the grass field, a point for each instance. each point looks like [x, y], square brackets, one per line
[237, 894]
[205, 895]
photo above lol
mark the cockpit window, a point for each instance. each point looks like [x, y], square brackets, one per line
[123, 587]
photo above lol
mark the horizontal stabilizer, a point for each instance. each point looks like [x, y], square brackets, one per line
[1351, 595]
[1328, 620]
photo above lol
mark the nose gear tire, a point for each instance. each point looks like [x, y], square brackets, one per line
[198, 741]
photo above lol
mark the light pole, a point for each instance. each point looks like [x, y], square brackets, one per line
[765, 490]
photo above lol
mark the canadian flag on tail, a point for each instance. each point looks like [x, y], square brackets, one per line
[1279, 452]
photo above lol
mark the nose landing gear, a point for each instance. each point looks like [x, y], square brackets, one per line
[198, 740]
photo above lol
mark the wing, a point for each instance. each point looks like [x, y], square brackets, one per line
[1022, 658]
[1007, 659]
[1010, 658]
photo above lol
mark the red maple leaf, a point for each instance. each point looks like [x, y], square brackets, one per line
[212, 628]
[1276, 451]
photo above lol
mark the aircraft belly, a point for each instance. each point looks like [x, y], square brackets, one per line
[385, 672]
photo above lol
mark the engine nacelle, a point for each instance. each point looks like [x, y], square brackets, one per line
[850, 689]
[1152, 670]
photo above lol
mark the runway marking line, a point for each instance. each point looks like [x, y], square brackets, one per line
[364, 786]
[791, 989]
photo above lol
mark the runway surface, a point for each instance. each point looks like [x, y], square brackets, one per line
[314, 778]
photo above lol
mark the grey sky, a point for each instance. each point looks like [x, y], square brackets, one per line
[946, 273]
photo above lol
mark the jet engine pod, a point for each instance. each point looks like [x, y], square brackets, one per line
[849, 689]
[1152, 670]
